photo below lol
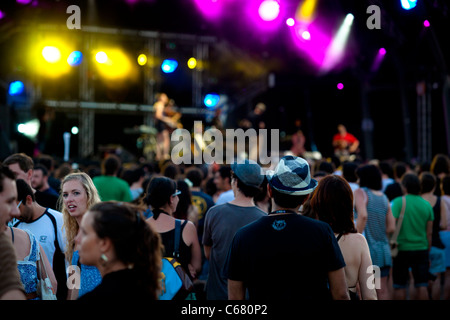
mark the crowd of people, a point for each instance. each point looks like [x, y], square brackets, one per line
[307, 229]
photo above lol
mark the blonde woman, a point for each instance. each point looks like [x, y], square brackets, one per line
[78, 194]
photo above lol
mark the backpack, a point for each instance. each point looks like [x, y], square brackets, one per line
[175, 281]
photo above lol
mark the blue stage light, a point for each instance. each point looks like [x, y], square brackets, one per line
[75, 58]
[211, 100]
[408, 4]
[169, 66]
[16, 88]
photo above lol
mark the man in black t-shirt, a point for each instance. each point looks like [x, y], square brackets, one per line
[286, 256]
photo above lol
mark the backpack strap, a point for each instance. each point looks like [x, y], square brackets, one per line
[176, 245]
[52, 218]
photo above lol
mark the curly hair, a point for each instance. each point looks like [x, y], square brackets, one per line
[135, 242]
[70, 223]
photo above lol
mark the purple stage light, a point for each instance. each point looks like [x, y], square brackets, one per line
[290, 22]
[265, 15]
[311, 41]
[340, 86]
[2, 15]
[306, 35]
[210, 9]
[378, 59]
[23, 1]
[426, 23]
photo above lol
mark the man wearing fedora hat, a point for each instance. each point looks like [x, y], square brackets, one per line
[222, 221]
[285, 255]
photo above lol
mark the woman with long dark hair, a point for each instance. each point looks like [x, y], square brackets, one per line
[332, 202]
[116, 239]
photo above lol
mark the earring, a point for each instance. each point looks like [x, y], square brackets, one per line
[104, 258]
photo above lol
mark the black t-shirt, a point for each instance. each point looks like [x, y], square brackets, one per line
[203, 202]
[284, 257]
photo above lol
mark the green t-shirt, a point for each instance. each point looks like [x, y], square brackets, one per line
[112, 188]
[413, 233]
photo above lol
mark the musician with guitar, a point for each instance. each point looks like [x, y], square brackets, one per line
[344, 143]
[166, 119]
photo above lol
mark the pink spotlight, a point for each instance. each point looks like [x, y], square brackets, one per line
[340, 86]
[211, 9]
[290, 22]
[269, 10]
[382, 51]
[426, 23]
[306, 35]
[314, 49]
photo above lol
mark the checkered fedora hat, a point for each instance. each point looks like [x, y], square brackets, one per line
[292, 176]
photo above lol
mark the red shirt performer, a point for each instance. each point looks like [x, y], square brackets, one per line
[344, 143]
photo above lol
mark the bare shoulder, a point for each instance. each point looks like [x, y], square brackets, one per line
[150, 221]
[190, 226]
[359, 192]
[22, 243]
[356, 238]
[189, 232]
[21, 236]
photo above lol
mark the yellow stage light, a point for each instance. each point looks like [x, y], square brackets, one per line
[192, 63]
[101, 57]
[142, 59]
[306, 11]
[51, 54]
[48, 57]
[114, 64]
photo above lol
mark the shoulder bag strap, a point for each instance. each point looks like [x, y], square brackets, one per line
[400, 220]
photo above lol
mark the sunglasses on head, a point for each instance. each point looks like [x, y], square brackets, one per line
[178, 192]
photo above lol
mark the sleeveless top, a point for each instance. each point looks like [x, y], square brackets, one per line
[28, 266]
[168, 240]
[90, 277]
[375, 230]
[436, 238]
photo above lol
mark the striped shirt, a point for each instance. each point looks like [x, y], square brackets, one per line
[375, 230]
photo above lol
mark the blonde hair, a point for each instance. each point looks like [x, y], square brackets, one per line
[70, 223]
